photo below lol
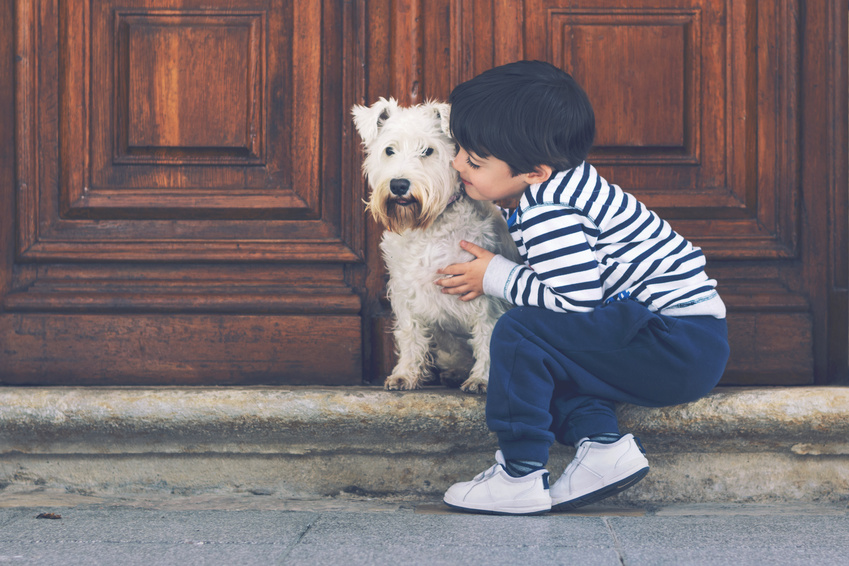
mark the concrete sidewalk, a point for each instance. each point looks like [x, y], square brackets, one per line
[247, 530]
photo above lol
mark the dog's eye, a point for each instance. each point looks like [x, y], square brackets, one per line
[389, 151]
[428, 152]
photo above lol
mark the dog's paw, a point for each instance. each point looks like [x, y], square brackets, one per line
[474, 385]
[401, 383]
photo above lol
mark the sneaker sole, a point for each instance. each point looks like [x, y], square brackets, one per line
[602, 493]
[530, 511]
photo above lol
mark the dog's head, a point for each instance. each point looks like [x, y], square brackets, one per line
[408, 153]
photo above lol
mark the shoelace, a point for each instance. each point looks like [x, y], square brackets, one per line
[579, 455]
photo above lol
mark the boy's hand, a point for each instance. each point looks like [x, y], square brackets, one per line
[467, 280]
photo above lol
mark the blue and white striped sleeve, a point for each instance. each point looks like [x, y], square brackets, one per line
[561, 274]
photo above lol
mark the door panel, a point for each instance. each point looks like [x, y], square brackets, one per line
[167, 139]
[180, 349]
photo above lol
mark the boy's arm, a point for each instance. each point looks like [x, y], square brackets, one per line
[565, 276]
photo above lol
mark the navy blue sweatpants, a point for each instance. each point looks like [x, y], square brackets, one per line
[558, 375]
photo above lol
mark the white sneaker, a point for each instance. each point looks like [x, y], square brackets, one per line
[496, 491]
[599, 471]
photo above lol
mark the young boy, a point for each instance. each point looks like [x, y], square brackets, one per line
[613, 305]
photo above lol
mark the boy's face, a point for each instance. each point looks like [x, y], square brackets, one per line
[489, 178]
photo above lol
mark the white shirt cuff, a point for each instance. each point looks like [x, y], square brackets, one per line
[497, 276]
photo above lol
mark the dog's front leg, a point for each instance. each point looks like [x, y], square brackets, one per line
[481, 331]
[412, 343]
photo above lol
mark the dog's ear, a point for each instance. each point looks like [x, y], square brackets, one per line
[369, 119]
[443, 115]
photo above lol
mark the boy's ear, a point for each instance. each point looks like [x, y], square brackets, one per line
[369, 119]
[540, 174]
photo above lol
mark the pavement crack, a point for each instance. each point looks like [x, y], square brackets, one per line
[616, 544]
[295, 544]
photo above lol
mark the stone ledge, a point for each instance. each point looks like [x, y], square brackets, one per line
[736, 445]
[311, 420]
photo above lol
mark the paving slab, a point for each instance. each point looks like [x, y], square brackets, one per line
[444, 555]
[780, 538]
[128, 525]
[136, 554]
[457, 529]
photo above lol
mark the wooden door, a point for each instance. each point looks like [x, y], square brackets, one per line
[178, 207]
[181, 196]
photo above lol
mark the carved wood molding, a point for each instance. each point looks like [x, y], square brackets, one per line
[104, 173]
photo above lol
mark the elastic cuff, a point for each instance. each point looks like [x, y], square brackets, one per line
[496, 276]
[585, 426]
[524, 450]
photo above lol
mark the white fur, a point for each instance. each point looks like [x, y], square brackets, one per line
[432, 330]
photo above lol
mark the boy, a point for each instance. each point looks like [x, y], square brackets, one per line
[613, 305]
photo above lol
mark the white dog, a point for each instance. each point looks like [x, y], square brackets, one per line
[417, 196]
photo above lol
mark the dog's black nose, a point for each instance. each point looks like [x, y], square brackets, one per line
[399, 187]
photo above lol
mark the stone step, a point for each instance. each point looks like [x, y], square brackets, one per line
[736, 445]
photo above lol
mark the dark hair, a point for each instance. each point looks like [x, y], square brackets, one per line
[526, 113]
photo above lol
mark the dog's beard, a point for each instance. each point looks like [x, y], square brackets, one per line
[398, 215]
[403, 215]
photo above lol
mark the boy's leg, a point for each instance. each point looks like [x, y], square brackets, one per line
[561, 374]
[555, 373]
[575, 366]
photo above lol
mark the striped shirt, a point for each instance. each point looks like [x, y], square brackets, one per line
[585, 242]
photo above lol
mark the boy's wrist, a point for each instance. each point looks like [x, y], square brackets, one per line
[497, 275]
